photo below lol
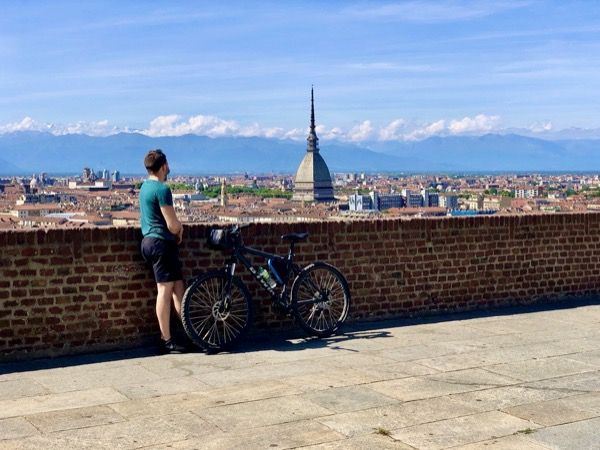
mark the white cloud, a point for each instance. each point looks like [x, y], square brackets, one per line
[172, 125]
[295, 134]
[541, 127]
[175, 125]
[478, 124]
[99, 128]
[27, 124]
[328, 133]
[361, 132]
[435, 128]
[393, 131]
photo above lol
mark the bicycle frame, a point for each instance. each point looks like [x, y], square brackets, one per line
[239, 253]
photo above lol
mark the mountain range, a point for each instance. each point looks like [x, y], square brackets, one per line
[28, 152]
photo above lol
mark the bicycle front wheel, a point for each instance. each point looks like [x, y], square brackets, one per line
[212, 317]
[320, 299]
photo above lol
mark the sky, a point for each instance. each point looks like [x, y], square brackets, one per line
[404, 70]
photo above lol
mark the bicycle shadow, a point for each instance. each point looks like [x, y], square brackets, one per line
[296, 341]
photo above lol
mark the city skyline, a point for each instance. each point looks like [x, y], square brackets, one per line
[382, 71]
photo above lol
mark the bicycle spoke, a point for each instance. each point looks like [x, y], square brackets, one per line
[320, 299]
[213, 317]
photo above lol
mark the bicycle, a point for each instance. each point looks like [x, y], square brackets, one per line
[217, 307]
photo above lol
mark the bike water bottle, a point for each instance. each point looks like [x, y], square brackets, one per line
[262, 273]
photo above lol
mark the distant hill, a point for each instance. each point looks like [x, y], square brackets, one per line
[500, 152]
[8, 168]
[28, 152]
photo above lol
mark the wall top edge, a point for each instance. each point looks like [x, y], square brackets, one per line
[415, 222]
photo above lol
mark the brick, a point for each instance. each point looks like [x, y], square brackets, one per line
[58, 261]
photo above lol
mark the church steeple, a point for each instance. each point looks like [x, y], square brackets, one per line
[313, 140]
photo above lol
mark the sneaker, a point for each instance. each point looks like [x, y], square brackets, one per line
[171, 347]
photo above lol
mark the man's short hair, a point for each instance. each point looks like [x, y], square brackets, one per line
[154, 160]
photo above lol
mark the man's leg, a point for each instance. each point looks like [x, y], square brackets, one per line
[178, 291]
[163, 308]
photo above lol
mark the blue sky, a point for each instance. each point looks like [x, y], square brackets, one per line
[381, 70]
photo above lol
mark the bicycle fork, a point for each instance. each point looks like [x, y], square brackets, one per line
[226, 294]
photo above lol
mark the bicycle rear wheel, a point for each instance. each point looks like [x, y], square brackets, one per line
[320, 299]
[213, 318]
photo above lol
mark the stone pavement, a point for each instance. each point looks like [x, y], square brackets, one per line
[524, 379]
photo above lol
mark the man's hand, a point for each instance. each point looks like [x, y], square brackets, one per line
[180, 235]
[173, 224]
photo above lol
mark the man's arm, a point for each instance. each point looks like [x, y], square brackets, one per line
[173, 223]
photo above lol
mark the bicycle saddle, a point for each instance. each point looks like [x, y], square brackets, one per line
[294, 237]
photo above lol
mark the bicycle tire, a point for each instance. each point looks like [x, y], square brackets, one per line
[209, 322]
[320, 299]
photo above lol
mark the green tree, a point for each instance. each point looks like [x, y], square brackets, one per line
[180, 186]
[569, 192]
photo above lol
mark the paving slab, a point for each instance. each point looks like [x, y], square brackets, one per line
[572, 384]
[461, 430]
[476, 377]
[75, 380]
[16, 428]
[514, 442]
[318, 381]
[396, 416]
[75, 418]
[540, 369]
[241, 393]
[280, 436]
[261, 413]
[260, 372]
[505, 397]
[394, 371]
[17, 388]
[177, 368]
[582, 435]
[591, 357]
[417, 352]
[560, 411]
[162, 387]
[349, 398]
[439, 384]
[123, 435]
[469, 360]
[364, 442]
[54, 402]
[521, 323]
[160, 406]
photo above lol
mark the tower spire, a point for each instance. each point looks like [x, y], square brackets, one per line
[312, 108]
[313, 140]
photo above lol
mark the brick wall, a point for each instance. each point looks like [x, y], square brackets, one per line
[69, 291]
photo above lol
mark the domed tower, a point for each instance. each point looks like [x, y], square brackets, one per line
[313, 180]
[34, 185]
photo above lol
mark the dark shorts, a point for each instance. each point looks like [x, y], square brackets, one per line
[164, 257]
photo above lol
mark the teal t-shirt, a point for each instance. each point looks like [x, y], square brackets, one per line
[153, 195]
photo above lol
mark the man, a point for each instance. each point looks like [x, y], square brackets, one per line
[163, 232]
